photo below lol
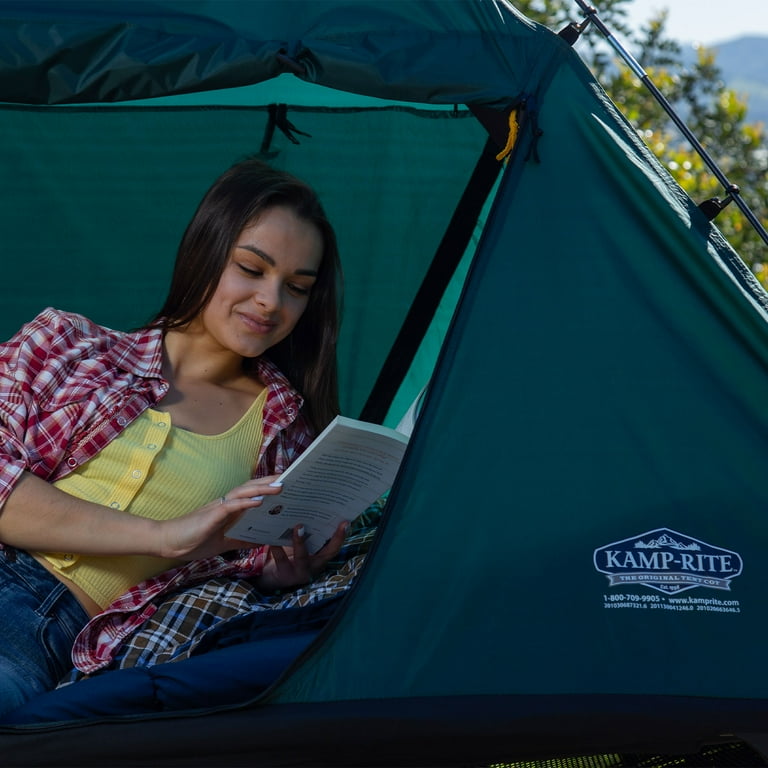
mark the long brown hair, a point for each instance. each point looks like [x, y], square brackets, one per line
[236, 200]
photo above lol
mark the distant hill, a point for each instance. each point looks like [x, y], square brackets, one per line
[744, 66]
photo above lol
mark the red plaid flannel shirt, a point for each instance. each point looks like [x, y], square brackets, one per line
[68, 387]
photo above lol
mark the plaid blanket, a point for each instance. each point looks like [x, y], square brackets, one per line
[185, 619]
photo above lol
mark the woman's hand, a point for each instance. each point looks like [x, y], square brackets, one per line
[202, 533]
[286, 568]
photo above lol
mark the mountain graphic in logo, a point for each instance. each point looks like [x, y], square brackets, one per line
[667, 561]
[665, 540]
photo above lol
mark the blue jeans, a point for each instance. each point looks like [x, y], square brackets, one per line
[40, 619]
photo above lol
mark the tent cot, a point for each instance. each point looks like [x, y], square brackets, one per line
[572, 558]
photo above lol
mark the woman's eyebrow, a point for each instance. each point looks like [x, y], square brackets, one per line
[266, 257]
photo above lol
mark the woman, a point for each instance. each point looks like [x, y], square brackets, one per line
[123, 455]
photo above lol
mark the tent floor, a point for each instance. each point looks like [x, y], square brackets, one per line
[460, 732]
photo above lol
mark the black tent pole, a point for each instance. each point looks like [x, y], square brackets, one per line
[731, 189]
[447, 257]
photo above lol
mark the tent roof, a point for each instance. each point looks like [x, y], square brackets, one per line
[430, 52]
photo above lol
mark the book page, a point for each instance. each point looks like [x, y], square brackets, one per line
[344, 471]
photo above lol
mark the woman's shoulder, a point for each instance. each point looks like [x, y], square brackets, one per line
[57, 333]
[56, 321]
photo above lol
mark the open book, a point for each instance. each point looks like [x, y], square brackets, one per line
[348, 466]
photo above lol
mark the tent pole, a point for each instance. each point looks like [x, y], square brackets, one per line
[444, 263]
[732, 190]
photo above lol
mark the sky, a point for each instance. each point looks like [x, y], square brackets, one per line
[703, 21]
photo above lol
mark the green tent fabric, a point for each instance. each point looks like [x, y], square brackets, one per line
[99, 200]
[573, 555]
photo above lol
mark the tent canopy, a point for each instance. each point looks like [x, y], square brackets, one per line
[437, 53]
[573, 554]
[162, 97]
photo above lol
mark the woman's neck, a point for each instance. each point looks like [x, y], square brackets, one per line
[208, 393]
[189, 357]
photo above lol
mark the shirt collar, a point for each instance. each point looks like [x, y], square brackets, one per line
[140, 352]
[282, 397]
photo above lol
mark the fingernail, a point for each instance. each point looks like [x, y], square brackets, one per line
[301, 532]
[276, 484]
[257, 498]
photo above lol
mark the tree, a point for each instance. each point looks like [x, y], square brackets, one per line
[717, 117]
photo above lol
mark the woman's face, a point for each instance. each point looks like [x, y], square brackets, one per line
[266, 282]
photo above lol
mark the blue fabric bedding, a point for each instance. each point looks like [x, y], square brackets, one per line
[229, 662]
[236, 666]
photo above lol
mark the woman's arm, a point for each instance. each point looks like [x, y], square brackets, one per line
[38, 516]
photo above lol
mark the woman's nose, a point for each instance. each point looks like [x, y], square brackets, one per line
[268, 295]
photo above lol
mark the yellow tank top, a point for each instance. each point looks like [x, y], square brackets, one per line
[155, 470]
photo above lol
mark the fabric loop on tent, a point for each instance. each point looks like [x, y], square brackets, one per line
[286, 126]
[512, 138]
[495, 121]
[504, 127]
[278, 118]
[269, 132]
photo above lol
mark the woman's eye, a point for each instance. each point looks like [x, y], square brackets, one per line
[250, 271]
[299, 290]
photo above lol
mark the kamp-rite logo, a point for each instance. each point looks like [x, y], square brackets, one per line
[668, 561]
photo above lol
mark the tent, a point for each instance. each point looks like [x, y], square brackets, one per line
[572, 559]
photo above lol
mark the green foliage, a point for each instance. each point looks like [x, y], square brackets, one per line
[717, 117]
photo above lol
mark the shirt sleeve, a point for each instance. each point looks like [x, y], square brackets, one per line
[22, 362]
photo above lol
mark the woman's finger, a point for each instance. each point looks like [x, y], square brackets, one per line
[300, 553]
[279, 556]
[329, 550]
[253, 491]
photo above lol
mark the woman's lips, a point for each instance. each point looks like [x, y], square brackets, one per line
[258, 324]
